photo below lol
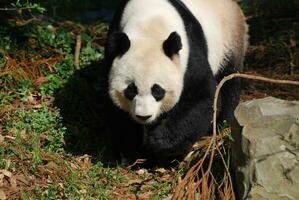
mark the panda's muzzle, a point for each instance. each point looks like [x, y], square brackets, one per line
[143, 118]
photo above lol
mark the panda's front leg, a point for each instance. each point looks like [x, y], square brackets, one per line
[180, 129]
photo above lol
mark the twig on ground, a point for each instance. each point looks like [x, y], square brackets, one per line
[137, 162]
[77, 51]
[21, 22]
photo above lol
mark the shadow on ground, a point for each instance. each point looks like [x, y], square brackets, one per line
[83, 107]
[81, 103]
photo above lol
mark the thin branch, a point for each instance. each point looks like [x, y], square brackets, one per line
[246, 76]
[16, 9]
[25, 22]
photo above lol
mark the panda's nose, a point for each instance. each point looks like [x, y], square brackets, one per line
[143, 118]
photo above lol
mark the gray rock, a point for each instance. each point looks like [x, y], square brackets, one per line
[266, 150]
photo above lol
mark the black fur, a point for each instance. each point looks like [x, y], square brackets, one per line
[230, 92]
[118, 43]
[125, 134]
[158, 92]
[131, 91]
[172, 45]
[191, 118]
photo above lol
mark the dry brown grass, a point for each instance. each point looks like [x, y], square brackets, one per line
[27, 66]
[200, 182]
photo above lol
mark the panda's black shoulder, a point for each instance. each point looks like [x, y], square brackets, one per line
[115, 23]
[195, 34]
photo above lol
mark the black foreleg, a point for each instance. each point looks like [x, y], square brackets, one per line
[230, 94]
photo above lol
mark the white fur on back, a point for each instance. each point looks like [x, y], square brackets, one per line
[221, 20]
[224, 28]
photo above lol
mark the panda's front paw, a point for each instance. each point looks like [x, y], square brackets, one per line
[164, 147]
[157, 146]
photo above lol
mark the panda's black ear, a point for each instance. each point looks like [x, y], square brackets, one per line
[172, 45]
[118, 44]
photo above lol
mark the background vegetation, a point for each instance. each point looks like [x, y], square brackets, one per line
[51, 143]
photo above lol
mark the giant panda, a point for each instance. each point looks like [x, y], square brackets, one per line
[163, 60]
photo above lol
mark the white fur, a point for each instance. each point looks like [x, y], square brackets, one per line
[146, 105]
[219, 19]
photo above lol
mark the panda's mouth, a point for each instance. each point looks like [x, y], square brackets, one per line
[143, 118]
[148, 119]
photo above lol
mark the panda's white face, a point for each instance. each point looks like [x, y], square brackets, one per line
[144, 81]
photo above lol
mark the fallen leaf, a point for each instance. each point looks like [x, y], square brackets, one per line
[31, 100]
[61, 185]
[133, 182]
[13, 183]
[37, 106]
[8, 163]
[23, 135]
[9, 137]
[52, 165]
[161, 170]
[86, 162]
[22, 179]
[1, 179]
[2, 195]
[73, 166]
[169, 197]
[141, 171]
[6, 173]
[145, 195]
[83, 191]
[1, 138]
[38, 82]
[293, 42]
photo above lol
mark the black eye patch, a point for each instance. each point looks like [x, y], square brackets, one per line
[131, 91]
[158, 92]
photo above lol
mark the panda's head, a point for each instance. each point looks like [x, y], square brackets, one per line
[146, 78]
